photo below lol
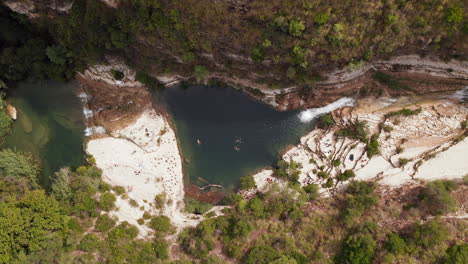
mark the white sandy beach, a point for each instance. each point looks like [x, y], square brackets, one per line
[144, 158]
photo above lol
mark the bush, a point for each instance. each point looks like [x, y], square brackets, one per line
[336, 163]
[312, 190]
[326, 121]
[197, 207]
[147, 80]
[247, 182]
[160, 247]
[260, 255]
[107, 201]
[403, 112]
[200, 72]
[119, 190]
[61, 184]
[346, 175]
[89, 243]
[454, 15]
[395, 244]
[323, 175]
[357, 249]
[359, 197]
[436, 198]
[296, 28]
[403, 161]
[160, 200]
[18, 170]
[321, 18]
[118, 75]
[373, 147]
[5, 120]
[427, 236]
[162, 225]
[256, 207]
[357, 130]
[456, 254]
[104, 223]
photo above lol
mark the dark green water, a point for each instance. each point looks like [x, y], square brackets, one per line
[49, 124]
[220, 116]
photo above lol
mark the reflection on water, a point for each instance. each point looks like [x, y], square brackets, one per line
[224, 134]
[49, 124]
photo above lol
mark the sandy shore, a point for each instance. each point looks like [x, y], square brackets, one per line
[426, 140]
[144, 158]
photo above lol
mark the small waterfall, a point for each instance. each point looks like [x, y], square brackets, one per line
[461, 95]
[309, 114]
[89, 131]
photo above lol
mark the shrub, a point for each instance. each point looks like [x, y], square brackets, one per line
[257, 207]
[5, 120]
[321, 18]
[61, 184]
[89, 243]
[356, 130]
[427, 236]
[160, 200]
[359, 197]
[326, 120]
[18, 169]
[260, 255]
[298, 55]
[160, 248]
[147, 80]
[312, 190]
[118, 75]
[454, 15]
[336, 163]
[373, 147]
[161, 224]
[323, 175]
[107, 201]
[403, 161]
[197, 207]
[403, 112]
[390, 81]
[436, 198]
[104, 223]
[119, 190]
[296, 28]
[357, 249]
[456, 254]
[346, 175]
[257, 54]
[200, 72]
[247, 182]
[395, 244]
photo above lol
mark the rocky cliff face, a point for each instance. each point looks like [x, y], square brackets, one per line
[34, 8]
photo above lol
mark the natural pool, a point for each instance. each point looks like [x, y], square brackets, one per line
[49, 124]
[224, 134]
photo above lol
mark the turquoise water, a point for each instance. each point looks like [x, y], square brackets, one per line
[237, 134]
[49, 124]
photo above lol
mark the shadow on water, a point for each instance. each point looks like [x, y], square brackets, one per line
[224, 134]
[49, 125]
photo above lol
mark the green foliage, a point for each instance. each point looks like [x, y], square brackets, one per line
[256, 207]
[197, 207]
[296, 27]
[200, 72]
[403, 161]
[357, 130]
[260, 255]
[346, 175]
[61, 184]
[258, 54]
[357, 249]
[427, 236]
[289, 170]
[162, 225]
[326, 121]
[247, 182]
[456, 254]
[147, 80]
[89, 243]
[436, 198]
[336, 163]
[118, 75]
[160, 200]
[18, 172]
[298, 55]
[390, 81]
[312, 190]
[26, 223]
[359, 197]
[161, 249]
[119, 190]
[107, 201]
[454, 15]
[373, 147]
[403, 112]
[395, 244]
[104, 223]
[5, 120]
[322, 18]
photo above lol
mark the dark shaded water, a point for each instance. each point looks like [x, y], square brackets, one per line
[49, 124]
[238, 135]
